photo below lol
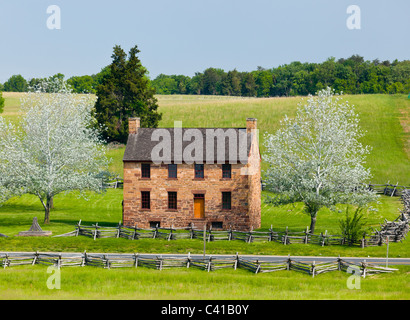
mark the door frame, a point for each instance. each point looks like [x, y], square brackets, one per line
[201, 197]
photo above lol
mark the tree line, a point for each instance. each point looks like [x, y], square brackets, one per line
[79, 84]
[353, 75]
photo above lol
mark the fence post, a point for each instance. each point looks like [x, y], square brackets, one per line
[385, 189]
[135, 232]
[363, 241]
[35, 258]
[6, 261]
[288, 263]
[306, 235]
[136, 260]
[119, 229]
[170, 234]
[363, 265]
[107, 262]
[259, 266]
[250, 235]
[78, 228]
[313, 269]
[285, 240]
[210, 233]
[188, 260]
[84, 258]
[236, 261]
[209, 263]
[96, 230]
[394, 190]
[380, 238]
[192, 231]
[156, 231]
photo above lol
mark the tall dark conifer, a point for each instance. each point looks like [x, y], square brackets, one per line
[124, 92]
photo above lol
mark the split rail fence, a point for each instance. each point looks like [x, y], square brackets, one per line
[387, 189]
[209, 263]
[393, 231]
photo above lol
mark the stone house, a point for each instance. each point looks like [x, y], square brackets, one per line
[192, 176]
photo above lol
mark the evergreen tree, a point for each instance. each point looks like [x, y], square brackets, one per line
[125, 92]
[1, 102]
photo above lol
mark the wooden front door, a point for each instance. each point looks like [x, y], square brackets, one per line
[199, 208]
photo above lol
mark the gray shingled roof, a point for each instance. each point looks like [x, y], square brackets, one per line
[140, 145]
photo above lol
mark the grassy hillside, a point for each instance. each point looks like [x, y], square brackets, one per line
[386, 118]
[382, 116]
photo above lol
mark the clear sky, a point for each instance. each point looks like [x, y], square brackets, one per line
[188, 36]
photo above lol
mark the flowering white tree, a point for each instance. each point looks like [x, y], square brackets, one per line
[317, 158]
[55, 148]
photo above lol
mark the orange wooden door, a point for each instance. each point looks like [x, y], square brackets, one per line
[199, 208]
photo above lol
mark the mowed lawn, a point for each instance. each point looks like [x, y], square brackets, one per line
[17, 214]
[382, 117]
[193, 284]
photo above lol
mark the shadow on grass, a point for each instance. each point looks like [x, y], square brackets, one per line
[84, 222]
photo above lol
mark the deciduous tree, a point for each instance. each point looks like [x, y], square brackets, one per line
[317, 158]
[55, 148]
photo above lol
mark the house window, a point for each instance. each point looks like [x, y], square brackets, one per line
[145, 200]
[217, 225]
[154, 224]
[172, 171]
[172, 200]
[226, 200]
[199, 171]
[145, 170]
[226, 171]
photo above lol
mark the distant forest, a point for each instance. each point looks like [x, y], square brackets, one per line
[353, 75]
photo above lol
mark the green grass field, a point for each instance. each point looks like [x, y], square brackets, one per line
[384, 117]
[17, 214]
[191, 284]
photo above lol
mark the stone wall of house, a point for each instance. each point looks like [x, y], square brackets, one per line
[255, 189]
[245, 203]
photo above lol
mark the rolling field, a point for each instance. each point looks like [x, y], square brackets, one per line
[386, 120]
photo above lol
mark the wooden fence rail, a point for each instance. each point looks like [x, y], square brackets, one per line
[208, 263]
[388, 189]
[395, 231]
[392, 231]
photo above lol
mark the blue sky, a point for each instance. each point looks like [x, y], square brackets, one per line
[184, 37]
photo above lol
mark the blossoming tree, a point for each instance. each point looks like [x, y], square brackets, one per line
[55, 148]
[317, 158]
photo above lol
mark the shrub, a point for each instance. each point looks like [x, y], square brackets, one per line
[353, 227]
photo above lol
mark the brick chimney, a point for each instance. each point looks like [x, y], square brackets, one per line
[133, 125]
[251, 123]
